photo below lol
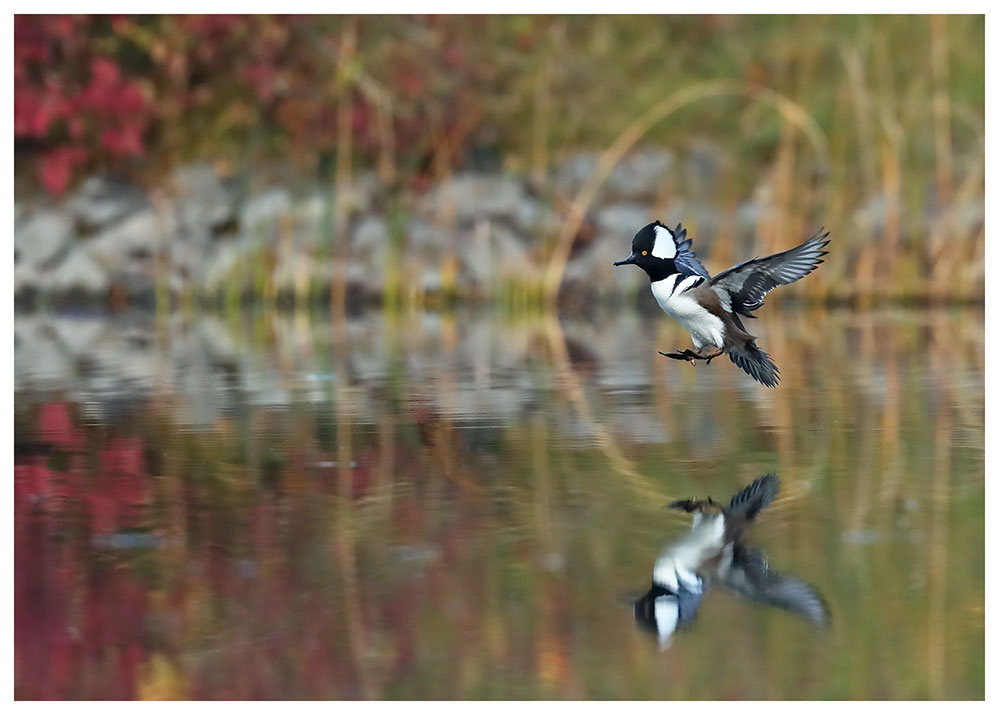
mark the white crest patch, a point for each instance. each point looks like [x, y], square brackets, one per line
[664, 246]
[667, 615]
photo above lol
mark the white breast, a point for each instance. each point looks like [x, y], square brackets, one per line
[704, 327]
[679, 564]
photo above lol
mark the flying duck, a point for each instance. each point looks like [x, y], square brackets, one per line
[713, 552]
[710, 308]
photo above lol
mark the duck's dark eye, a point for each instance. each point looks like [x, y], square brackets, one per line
[645, 253]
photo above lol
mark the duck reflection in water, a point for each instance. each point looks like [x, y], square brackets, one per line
[713, 553]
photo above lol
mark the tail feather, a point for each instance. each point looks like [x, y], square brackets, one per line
[757, 495]
[756, 363]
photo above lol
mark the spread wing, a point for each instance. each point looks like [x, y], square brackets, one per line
[749, 575]
[685, 259]
[746, 285]
[756, 496]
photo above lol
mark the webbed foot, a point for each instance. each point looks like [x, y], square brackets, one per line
[691, 355]
[687, 355]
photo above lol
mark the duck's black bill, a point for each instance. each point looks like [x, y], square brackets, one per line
[626, 261]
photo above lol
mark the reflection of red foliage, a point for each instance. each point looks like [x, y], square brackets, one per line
[120, 489]
[32, 481]
[73, 616]
[57, 428]
[257, 592]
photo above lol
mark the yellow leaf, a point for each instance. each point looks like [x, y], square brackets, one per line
[161, 681]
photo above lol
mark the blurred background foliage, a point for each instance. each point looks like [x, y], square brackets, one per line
[139, 93]
[830, 117]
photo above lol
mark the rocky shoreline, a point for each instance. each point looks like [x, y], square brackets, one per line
[203, 235]
[473, 236]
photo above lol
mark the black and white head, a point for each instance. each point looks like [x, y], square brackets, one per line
[661, 611]
[661, 251]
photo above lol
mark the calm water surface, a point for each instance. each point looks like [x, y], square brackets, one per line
[459, 506]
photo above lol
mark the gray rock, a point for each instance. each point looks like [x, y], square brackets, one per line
[470, 197]
[703, 165]
[203, 200]
[492, 251]
[640, 174]
[431, 279]
[360, 194]
[261, 213]
[216, 269]
[509, 253]
[79, 271]
[297, 271]
[369, 254]
[370, 234]
[79, 336]
[573, 172]
[747, 218]
[26, 278]
[594, 268]
[369, 241]
[102, 200]
[186, 262]
[41, 236]
[637, 176]
[534, 218]
[429, 242]
[313, 217]
[139, 235]
[623, 219]
[38, 359]
[369, 280]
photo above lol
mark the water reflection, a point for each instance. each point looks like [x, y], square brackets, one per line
[713, 553]
[231, 506]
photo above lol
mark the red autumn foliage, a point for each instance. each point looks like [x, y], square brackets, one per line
[132, 93]
[67, 114]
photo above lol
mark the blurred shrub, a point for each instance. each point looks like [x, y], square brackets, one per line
[96, 91]
[424, 94]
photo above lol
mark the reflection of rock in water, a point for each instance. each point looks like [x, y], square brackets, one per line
[712, 553]
[468, 366]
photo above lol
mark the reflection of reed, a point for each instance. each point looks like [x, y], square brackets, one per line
[345, 515]
[604, 441]
[938, 573]
[456, 562]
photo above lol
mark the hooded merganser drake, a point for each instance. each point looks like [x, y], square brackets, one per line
[709, 308]
[713, 553]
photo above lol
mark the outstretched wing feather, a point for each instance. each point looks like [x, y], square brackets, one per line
[751, 576]
[746, 285]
